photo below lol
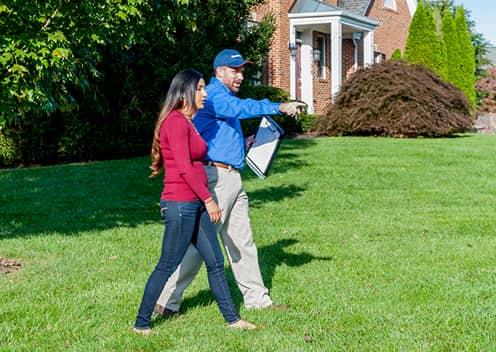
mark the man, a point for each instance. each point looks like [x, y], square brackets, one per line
[218, 123]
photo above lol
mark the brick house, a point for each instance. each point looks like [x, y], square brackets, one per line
[318, 44]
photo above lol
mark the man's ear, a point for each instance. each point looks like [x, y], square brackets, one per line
[219, 72]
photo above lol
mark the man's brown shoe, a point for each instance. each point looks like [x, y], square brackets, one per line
[142, 332]
[164, 312]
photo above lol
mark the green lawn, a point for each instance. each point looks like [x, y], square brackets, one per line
[375, 244]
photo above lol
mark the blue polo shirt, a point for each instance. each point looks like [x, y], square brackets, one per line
[218, 122]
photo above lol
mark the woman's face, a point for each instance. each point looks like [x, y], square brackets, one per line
[201, 94]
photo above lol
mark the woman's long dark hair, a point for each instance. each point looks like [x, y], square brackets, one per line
[181, 93]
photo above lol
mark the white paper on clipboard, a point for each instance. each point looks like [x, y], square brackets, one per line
[263, 151]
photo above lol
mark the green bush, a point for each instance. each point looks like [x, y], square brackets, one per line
[9, 152]
[85, 80]
[451, 40]
[263, 92]
[306, 121]
[424, 46]
[396, 55]
[466, 61]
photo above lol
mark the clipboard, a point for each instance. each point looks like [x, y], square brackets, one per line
[263, 151]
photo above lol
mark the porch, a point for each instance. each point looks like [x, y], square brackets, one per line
[326, 45]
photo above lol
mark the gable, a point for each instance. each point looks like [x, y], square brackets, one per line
[358, 7]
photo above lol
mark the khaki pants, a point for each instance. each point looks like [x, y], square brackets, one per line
[236, 235]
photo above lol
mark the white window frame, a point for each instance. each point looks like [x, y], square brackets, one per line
[390, 4]
[323, 57]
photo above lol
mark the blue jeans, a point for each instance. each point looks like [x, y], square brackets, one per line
[185, 223]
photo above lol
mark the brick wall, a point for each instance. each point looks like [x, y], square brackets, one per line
[393, 29]
[278, 63]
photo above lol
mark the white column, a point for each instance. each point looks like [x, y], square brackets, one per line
[336, 57]
[292, 61]
[306, 70]
[368, 49]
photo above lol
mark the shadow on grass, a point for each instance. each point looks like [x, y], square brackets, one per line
[273, 194]
[75, 198]
[270, 257]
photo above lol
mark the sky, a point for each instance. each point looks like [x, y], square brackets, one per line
[483, 12]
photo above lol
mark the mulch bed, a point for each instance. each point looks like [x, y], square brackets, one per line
[8, 265]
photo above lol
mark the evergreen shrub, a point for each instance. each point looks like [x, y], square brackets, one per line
[396, 55]
[466, 61]
[424, 46]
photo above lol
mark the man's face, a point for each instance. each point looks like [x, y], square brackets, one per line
[232, 77]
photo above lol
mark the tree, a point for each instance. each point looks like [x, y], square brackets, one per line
[467, 56]
[84, 79]
[48, 48]
[451, 41]
[424, 46]
[479, 43]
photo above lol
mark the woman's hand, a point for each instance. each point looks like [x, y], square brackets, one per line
[213, 210]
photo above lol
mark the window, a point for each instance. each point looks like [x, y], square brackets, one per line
[390, 4]
[321, 47]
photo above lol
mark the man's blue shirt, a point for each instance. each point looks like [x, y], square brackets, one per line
[218, 122]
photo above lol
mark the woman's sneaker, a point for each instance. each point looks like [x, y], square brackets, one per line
[142, 332]
[243, 325]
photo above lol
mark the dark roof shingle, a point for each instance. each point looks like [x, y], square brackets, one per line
[358, 7]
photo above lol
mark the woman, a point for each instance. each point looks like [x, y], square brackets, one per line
[186, 203]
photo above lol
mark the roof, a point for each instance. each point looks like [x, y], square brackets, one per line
[302, 6]
[358, 7]
[315, 8]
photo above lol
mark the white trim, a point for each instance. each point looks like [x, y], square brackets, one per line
[391, 6]
[306, 70]
[336, 57]
[328, 16]
[322, 63]
[292, 62]
[358, 25]
[368, 49]
[412, 6]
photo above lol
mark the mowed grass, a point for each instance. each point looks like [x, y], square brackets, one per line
[375, 244]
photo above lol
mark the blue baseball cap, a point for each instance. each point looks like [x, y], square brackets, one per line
[230, 58]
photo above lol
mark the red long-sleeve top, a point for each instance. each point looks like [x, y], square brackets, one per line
[183, 150]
